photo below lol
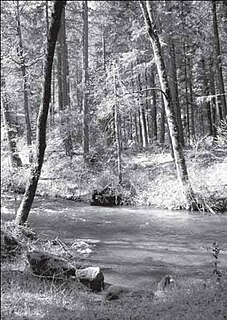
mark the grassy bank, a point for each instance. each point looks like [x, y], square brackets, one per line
[25, 296]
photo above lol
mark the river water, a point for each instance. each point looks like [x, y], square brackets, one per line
[134, 246]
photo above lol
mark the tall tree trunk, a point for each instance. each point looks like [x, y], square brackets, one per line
[10, 131]
[162, 121]
[47, 19]
[26, 203]
[154, 108]
[192, 113]
[218, 60]
[148, 107]
[186, 93]
[175, 94]
[104, 50]
[117, 135]
[25, 84]
[213, 108]
[142, 116]
[206, 93]
[174, 132]
[64, 86]
[85, 81]
[173, 71]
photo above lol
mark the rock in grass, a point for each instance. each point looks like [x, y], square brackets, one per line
[49, 265]
[92, 277]
[165, 282]
[9, 244]
[114, 292]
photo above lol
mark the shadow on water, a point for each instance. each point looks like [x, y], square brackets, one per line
[134, 245]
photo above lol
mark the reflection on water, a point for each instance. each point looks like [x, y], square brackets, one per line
[134, 245]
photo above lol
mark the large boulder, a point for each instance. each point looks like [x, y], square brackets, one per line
[92, 277]
[49, 265]
[107, 197]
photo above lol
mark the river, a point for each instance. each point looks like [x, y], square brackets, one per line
[133, 245]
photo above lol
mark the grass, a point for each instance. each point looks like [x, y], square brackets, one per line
[29, 297]
[25, 296]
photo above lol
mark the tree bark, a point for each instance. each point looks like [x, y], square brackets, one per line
[144, 137]
[181, 168]
[25, 84]
[162, 121]
[33, 179]
[176, 102]
[154, 108]
[186, 94]
[218, 60]
[14, 154]
[64, 86]
[85, 82]
[118, 138]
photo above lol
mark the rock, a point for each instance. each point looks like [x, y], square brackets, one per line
[92, 277]
[106, 197]
[165, 282]
[113, 292]
[49, 265]
[9, 244]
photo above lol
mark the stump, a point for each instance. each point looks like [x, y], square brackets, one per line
[107, 197]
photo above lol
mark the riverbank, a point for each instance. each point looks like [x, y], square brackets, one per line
[149, 177]
[25, 296]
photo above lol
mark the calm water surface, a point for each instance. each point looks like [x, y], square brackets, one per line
[133, 245]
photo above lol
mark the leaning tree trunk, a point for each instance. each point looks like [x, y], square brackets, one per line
[173, 129]
[33, 179]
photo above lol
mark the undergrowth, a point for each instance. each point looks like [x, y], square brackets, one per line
[149, 178]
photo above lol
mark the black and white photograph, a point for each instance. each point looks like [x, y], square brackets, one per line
[113, 160]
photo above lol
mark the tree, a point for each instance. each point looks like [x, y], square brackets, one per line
[171, 119]
[10, 130]
[35, 172]
[25, 82]
[63, 85]
[218, 61]
[85, 81]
